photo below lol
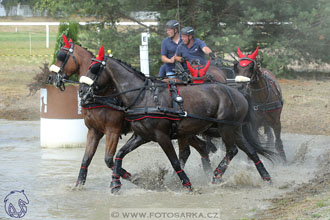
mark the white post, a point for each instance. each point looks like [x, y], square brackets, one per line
[47, 35]
[144, 55]
[30, 44]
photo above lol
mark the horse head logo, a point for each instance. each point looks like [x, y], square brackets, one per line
[15, 204]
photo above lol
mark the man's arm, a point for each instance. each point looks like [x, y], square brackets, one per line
[178, 58]
[165, 59]
[208, 51]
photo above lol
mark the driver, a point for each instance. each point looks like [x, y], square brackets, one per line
[169, 46]
[192, 49]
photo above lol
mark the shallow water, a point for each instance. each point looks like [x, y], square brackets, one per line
[47, 177]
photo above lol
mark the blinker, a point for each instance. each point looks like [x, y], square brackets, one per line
[61, 55]
[95, 68]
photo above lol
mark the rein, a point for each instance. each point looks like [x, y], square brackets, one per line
[70, 51]
[158, 110]
[61, 80]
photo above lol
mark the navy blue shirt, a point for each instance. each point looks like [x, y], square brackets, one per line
[168, 50]
[192, 53]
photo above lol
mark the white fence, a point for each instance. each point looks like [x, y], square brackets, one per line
[47, 24]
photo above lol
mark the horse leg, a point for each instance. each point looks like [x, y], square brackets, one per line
[134, 142]
[210, 147]
[278, 141]
[166, 145]
[93, 139]
[184, 151]
[200, 146]
[244, 145]
[231, 151]
[269, 133]
[111, 143]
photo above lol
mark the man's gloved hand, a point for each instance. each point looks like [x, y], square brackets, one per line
[212, 55]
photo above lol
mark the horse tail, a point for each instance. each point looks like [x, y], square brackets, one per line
[252, 135]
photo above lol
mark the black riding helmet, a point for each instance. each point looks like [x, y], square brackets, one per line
[173, 24]
[187, 31]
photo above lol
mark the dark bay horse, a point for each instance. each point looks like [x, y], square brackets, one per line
[203, 105]
[266, 97]
[99, 119]
[103, 120]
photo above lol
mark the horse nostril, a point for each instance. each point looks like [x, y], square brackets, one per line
[80, 92]
[50, 79]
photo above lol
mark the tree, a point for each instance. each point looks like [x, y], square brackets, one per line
[8, 4]
[286, 31]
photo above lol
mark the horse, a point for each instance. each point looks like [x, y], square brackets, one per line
[266, 96]
[102, 119]
[149, 100]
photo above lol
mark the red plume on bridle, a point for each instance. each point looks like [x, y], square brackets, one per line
[196, 72]
[100, 57]
[251, 56]
[66, 42]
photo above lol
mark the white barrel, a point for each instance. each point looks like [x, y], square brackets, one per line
[61, 119]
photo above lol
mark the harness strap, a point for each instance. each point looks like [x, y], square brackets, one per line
[139, 94]
[173, 112]
[232, 100]
[268, 106]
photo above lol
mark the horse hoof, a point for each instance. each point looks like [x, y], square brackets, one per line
[127, 176]
[79, 183]
[115, 190]
[188, 188]
[267, 179]
[216, 180]
[115, 186]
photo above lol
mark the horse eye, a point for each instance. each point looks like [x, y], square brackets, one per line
[61, 55]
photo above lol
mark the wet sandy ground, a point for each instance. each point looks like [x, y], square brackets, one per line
[48, 175]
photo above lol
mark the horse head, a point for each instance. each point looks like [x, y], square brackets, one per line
[70, 60]
[247, 65]
[107, 74]
[94, 81]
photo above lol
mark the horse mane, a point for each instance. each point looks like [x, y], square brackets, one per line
[90, 52]
[130, 67]
[85, 48]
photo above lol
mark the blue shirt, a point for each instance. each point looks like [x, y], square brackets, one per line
[194, 52]
[168, 49]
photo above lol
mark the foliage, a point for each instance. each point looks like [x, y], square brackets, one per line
[286, 31]
[70, 30]
[10, 3]
[39, 80]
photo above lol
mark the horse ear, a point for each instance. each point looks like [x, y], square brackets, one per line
[101, 54]
[239, 52]
[66, 42]
[254, 54]
[206, 67]
[191, 70]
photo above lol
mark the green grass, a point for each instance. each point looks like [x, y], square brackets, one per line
[12, 43]
[17, 66]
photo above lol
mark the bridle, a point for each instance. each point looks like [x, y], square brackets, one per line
[87, 96]
[60, 76]
[253, 75]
